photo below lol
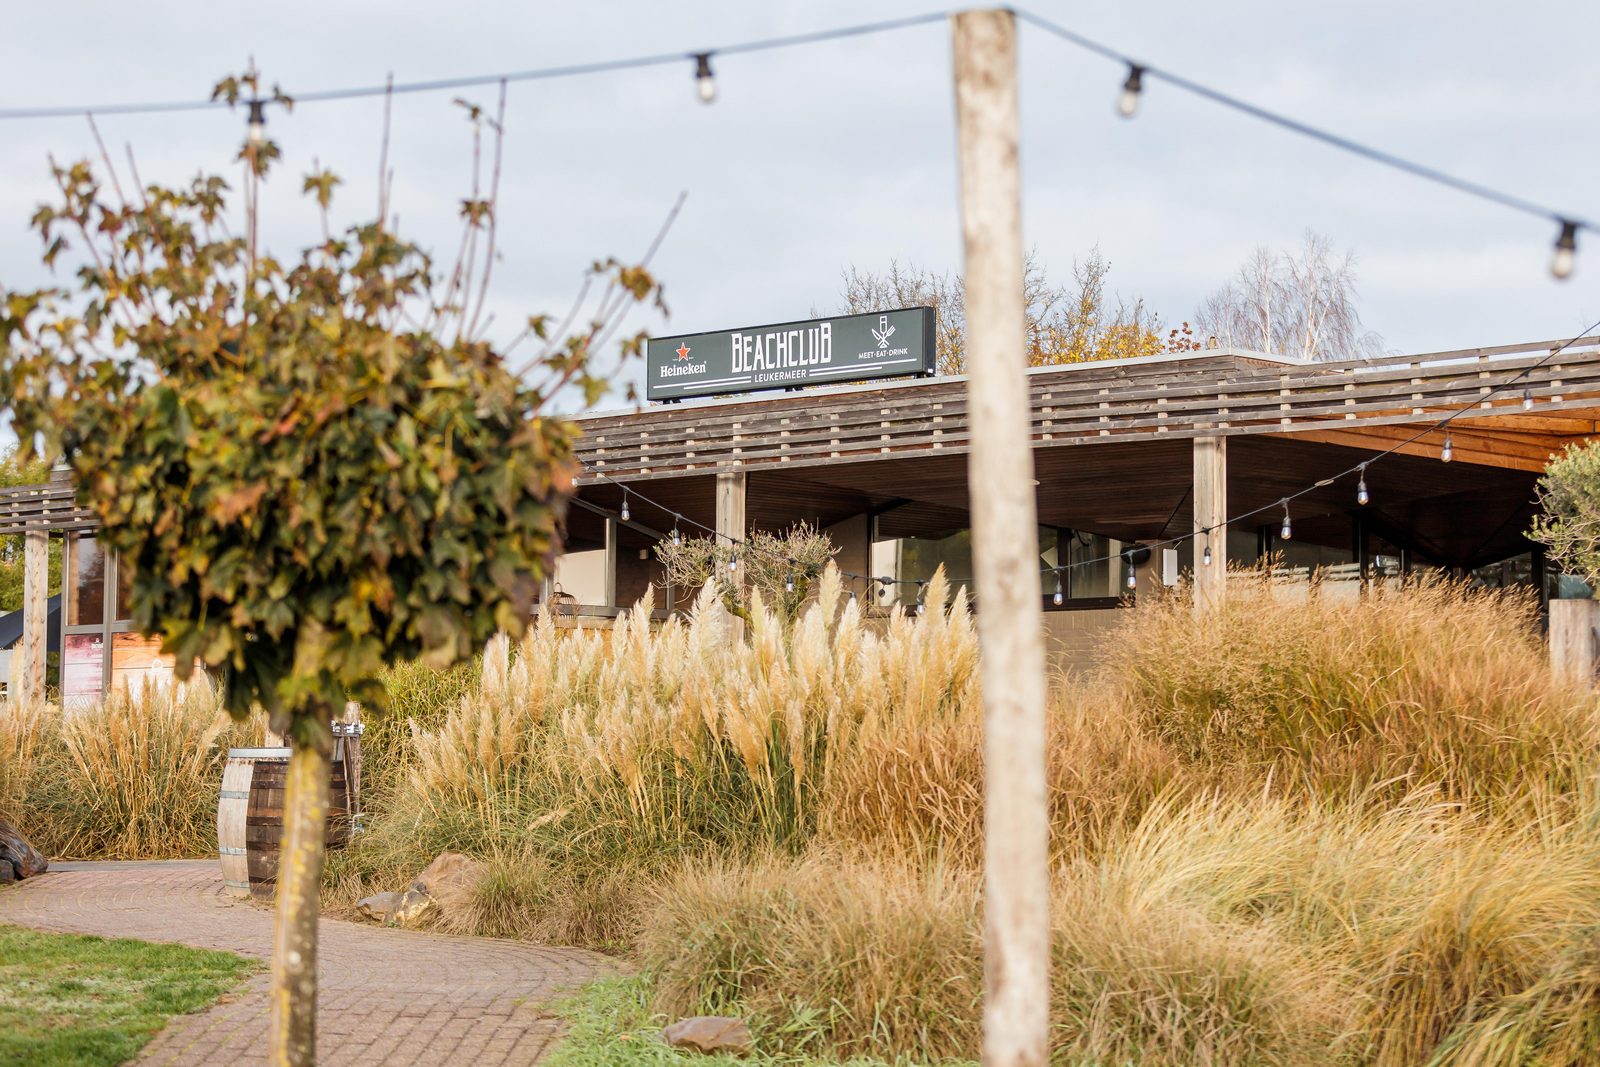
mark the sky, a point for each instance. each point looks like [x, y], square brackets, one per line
[842, 154]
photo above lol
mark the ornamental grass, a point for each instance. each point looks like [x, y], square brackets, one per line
[1292, 833]
[134, 777]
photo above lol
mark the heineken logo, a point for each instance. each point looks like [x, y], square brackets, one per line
[840, 349]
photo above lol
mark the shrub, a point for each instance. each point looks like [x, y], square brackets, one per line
[1412, 686]
[852, 956]
[590, 756]
[135, 777]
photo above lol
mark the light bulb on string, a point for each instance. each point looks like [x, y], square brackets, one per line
[733, 562]
[677, 538]
[1566, 253]
[1205, 557]
[626, 514]
[1362, 496]
[704, 80]
[1133, 576]
[1447, 453]
[1286, 532]
[1128, 102]
[257, 127]
[1061, 593]
[788, 583]
[1527, 399]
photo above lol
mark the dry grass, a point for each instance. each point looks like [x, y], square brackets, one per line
[1414, 686]
[1290, 834]
[587, 757]
[133, 778]
[853, 956]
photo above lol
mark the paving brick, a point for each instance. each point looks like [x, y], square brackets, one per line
[384, 993]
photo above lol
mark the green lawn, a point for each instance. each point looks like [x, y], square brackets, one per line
[610, 1025]
[81, 1001]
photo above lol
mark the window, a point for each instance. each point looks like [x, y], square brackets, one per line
[1091, 570]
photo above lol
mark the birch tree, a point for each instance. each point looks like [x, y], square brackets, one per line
[1299, 303]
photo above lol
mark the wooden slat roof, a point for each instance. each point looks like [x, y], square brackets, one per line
[1227, 392]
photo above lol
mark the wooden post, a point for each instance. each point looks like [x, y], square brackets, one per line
[1210, 511]
[1575, 640]
[731, 487]
[730, 505]
[612, 530]
[35, 612]
[1005, 548]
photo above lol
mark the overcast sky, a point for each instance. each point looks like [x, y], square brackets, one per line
[842, 153]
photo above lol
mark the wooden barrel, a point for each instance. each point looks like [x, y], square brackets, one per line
[250, 817]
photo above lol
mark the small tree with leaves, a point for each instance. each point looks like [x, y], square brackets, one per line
[781, 567]
[314, 466]
[1569, 502]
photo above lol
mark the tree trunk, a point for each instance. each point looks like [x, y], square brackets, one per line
[293, 1040]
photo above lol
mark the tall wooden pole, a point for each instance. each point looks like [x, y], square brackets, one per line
[1005, 548]
[35, 612]
[1210, 511]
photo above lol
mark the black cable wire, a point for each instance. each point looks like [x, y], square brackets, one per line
[1216, 96]
[1375, 155]
[536, 74]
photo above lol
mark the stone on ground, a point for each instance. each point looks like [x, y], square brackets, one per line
[451, 880]
[709, 1034]
[377, 907]
[15, 852]
[413, 908]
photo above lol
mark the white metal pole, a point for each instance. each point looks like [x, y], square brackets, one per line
[1005, 549]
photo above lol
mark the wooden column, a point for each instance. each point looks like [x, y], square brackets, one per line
[613, 528]
[1005, 548]
[1210, 511]
[730, 505]
[35, 612]
[731, 487]
[1575, 640]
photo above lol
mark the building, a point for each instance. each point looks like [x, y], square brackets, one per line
[1128, 454]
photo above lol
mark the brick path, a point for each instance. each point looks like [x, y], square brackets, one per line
[387, 995]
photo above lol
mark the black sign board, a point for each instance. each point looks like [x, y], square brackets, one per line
[842, 348]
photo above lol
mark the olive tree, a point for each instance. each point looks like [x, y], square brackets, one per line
[1569, 502]
[314, 466]
[781, 567]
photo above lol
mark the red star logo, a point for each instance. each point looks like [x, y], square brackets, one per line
[683, 351]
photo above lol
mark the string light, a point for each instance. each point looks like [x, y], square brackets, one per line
[788, 583]
[1361, 488]
[1447, 453]
[733, 562]
[1060, 592]
[677, 538]
[1128, 103]
[257, 128]
[705, 81]
[1566, 253]
[1205, 558]
[1527, 399]
[626, 515]
[1286, 532]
